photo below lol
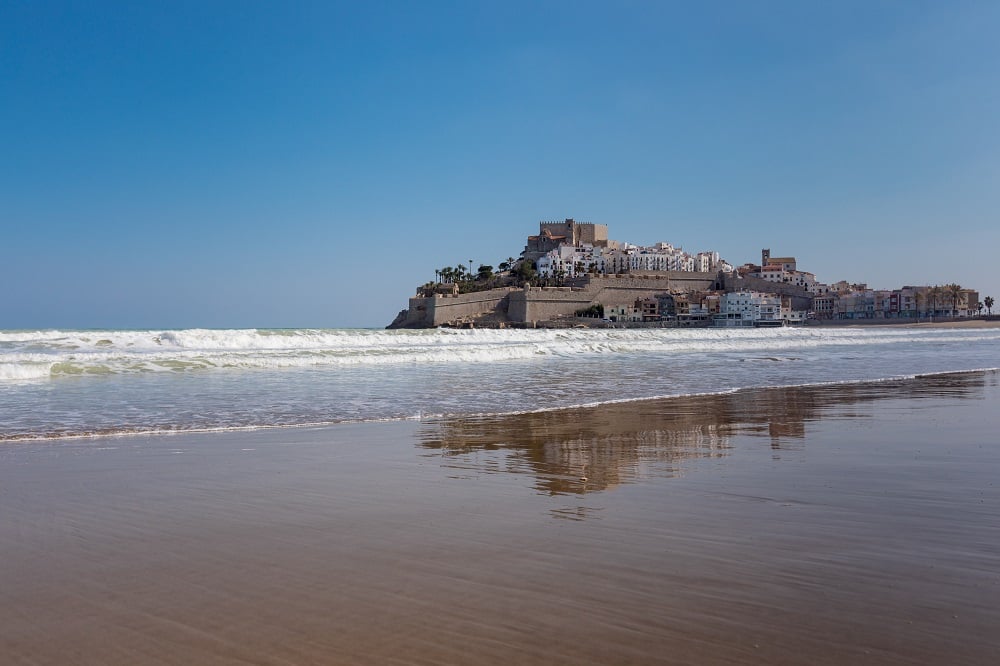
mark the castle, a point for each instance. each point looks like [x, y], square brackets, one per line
[579, 267]
[572, 268]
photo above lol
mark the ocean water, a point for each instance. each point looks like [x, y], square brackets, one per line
[83, 383]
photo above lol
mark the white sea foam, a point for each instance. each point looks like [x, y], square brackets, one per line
[63, 383]
[24, 371]
[39, 354]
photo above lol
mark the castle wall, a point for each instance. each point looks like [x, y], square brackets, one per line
[440, 309]
[416, 313]
[595, 234]
[577, 233]
[541, 303]
[653, 280]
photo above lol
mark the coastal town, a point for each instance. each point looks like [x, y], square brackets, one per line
[572, 274]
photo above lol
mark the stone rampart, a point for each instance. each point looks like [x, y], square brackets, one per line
[657, 281]
[535, 304]
[430, 311]
[541, 303]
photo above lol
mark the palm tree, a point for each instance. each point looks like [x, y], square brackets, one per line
[917, 297]
[934, 293]
[988, 302]
[979, 308]
[954, 290]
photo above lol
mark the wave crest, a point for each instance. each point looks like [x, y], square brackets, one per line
[36, 355]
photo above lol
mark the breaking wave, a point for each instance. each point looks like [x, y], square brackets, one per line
[98, 383]
[41, 355]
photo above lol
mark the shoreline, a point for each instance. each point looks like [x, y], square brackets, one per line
[112, 435]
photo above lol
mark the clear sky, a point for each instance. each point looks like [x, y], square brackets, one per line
[285, 164]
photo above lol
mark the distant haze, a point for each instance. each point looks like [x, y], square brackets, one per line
[263, 165]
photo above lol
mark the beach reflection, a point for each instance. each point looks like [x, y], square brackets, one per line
[582, 450]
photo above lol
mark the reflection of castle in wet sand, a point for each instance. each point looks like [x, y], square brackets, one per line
[579, 450]
[598, 448]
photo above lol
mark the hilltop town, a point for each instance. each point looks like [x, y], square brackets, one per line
[572, 274]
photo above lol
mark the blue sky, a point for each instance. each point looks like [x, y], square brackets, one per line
[308, 164]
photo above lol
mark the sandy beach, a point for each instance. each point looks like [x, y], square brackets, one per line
[970, 323]
[844, 524]
[957, 323]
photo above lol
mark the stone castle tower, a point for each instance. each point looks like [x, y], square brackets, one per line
[553, 234]
[577, 233]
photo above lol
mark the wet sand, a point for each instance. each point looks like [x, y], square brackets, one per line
[844, 524]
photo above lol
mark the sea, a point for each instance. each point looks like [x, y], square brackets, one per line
[89, 383]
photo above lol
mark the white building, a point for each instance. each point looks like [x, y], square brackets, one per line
[749, 308]
[707, 261]
[569, 260]
[622, 313]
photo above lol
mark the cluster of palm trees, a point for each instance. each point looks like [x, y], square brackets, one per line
[938, 293]
[458, 273]
[950, 294]
[465, 277]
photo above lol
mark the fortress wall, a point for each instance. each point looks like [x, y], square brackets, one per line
[658, 281]
[442, 309]
[541, 303]
[417, 313]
